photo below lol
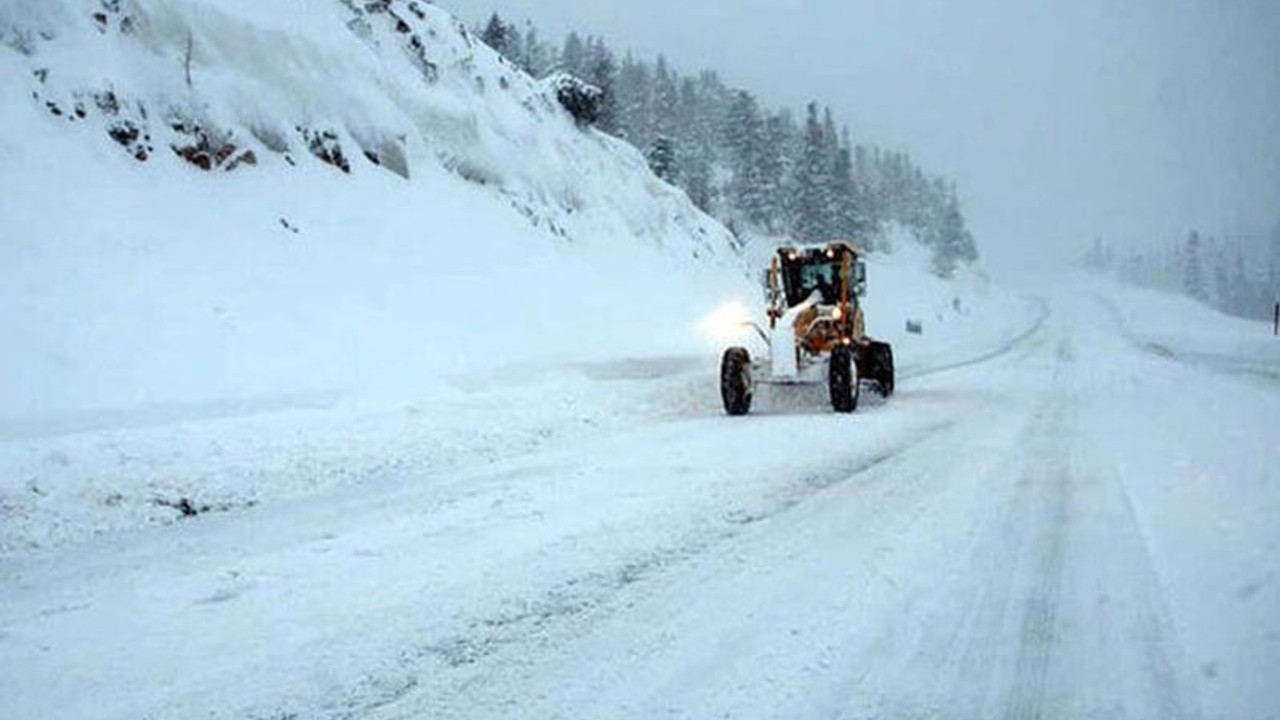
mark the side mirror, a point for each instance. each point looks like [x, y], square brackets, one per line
[860, 278]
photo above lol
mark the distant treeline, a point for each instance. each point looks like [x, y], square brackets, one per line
[749, 166]
[1237, 275]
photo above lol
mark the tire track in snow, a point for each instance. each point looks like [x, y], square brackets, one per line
[467, 658]
[949, 645]
[1086, 537]
[1039, 629]
[983, 646]
[1161, 656]
[1057, 611]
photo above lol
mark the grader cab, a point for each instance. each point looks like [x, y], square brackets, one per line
[815, 331]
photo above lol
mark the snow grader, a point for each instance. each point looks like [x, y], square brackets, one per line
[815, 332]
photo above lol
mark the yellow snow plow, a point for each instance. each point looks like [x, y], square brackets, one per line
[815, 331]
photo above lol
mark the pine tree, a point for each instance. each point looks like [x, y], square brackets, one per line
[1221, 273]
[744, 141]
[1193, 267]
[831, 151]
[662, 159]
[845, 210]
[534, 59]
[786, 142]
[634, 94]
[602, 72]
[1241, 290]
[866, 189]
[573, 59]
[813, 184]
[773, 164]
[514, 47]
[714, 99]
[698, 156]
[952, 244]
[497, 35]
[666, 97]
[1096, 258]
[853, 219]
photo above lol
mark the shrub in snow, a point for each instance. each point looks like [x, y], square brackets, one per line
[131, 138]
[363, 27]
[325, 146]
[110, 10]
[19, 40]
[580, 98]
[207, 149]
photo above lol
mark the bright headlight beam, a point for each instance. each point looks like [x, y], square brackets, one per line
[728, 323]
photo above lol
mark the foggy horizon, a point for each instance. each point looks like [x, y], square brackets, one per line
[1134, 123]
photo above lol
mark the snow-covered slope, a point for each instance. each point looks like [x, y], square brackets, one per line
[1177, 327]
[386, 200]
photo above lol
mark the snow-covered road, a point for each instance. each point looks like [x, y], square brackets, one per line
[1075, 526]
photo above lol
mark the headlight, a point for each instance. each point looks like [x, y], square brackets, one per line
[837, 313]
[728, 323]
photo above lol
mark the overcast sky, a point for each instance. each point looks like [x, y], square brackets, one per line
[1135, 120]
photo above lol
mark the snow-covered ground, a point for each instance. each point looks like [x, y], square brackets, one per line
[1074, 527]
[287, 441]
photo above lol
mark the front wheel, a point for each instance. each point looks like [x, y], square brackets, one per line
[735, 381]
[842, 380]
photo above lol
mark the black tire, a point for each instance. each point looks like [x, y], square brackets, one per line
[842, 380]
[884, 367]
[735, 381]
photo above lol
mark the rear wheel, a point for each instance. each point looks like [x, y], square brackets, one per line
[735, 381]
[884, 367]
[842, 380]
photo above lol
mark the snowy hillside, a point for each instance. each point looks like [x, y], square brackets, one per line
[253, 253]
[384, 199]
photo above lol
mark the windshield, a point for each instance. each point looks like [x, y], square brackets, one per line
[801, 277]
